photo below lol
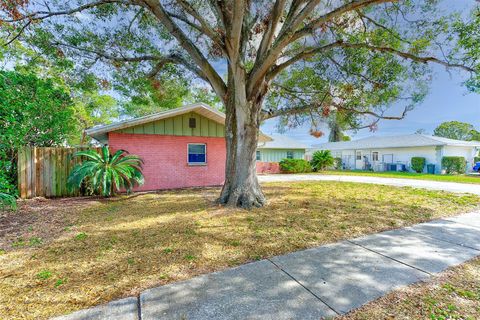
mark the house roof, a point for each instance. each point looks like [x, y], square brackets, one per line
[100, 133]
[281, 142]
[401, 141]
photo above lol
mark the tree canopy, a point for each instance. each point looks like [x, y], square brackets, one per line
[457, 130]
[32, 112]
[302, 61]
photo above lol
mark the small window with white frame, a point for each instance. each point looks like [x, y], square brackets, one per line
[289, 154]
[375, 156]
[197, 153]
[259, 155]
[359, 155]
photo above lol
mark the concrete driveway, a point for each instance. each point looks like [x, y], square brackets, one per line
[425, 184]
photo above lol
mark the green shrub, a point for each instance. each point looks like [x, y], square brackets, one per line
[321, 160]
[454, 164]
[418, 163]
[295, 166]
[338, 164]
[7, 201]
[476, 159]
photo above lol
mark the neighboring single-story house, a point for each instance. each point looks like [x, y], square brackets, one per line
[185, 147]
[395, 152]
[271, 152]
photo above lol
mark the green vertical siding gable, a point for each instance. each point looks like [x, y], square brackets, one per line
[179, 126]
[276, 155]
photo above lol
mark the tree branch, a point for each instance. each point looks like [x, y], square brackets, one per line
[268, 114]
[269, 33]
[351, 6]
[300, 56]
[217, 9]
[263, 64]
[41, 15]
[214, 79]
[205, 26]
[234, 32]
[19, 33]
[406, 55]
[160, 61]
[373, 114]
[108, 56]
[290, 34]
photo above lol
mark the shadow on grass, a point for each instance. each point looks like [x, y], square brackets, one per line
[136, 242]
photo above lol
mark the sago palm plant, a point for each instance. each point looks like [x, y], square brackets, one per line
[107, 173]
[321, 160]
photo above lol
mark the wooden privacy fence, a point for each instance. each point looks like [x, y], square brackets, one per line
[43, 171]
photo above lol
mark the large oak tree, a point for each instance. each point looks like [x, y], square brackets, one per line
[299, 60]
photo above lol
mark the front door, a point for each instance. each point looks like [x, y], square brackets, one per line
[359, 162]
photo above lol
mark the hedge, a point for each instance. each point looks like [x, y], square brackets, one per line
[476, 159]
[295, 166]
[418, 163]
[454, 164]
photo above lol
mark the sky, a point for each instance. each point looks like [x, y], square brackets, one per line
[447, 100]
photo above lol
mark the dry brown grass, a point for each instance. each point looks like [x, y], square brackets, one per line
[65, 255]
[453, 294]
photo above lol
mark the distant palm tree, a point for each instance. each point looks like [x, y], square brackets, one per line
[107, 173]
[7, 200]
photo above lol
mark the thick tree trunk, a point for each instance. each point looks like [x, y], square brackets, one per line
[241, 188]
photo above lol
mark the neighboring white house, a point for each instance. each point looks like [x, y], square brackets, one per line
[395, 152]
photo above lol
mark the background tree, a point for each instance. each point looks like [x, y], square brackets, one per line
[421, 131]
[91, 106]
[32, 112]
[456, 130]
[299, 60]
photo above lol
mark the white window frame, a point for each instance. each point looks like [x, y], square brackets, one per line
[291, 152]
[196, 163]
[375, 156]
[258, 155]
[358, 154]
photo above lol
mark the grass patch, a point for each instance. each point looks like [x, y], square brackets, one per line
[44, 275]
[461, 178]
[118, 247]
[81, 236]
[453, 294]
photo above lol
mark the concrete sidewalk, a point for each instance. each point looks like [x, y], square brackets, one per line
[311, 284]
[397, 182]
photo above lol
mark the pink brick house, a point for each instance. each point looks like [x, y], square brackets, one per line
[183, 147]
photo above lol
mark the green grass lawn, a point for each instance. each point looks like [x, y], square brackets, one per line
[62, 255]
[462, 178]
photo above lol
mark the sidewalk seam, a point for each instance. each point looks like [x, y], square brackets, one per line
[384, 255]
[139, 310]
[439, 239]
[298, 282]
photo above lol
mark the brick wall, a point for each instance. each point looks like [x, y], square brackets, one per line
[267, 167]
[165, 159]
